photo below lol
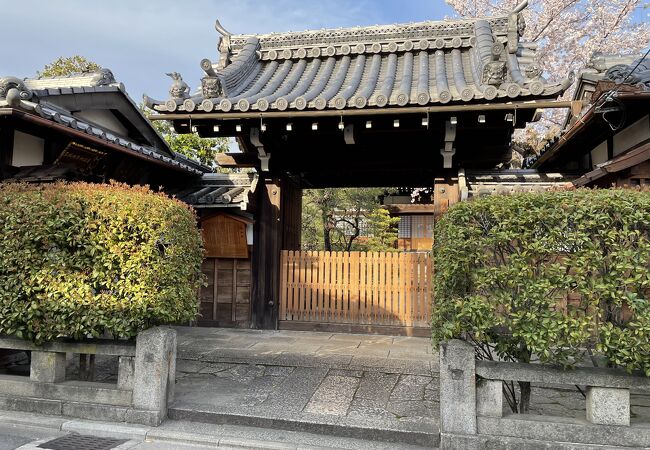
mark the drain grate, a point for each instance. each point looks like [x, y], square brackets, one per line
[81, 442]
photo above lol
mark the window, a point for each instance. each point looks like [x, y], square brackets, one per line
[404, 228]
[420, 226]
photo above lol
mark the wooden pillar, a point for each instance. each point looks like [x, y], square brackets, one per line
[267, 243]
[277, 227]
[445, 193]
[291, 215]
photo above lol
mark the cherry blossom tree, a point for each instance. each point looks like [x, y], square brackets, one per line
[568, 33]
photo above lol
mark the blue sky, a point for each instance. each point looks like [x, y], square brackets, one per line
[141, 40]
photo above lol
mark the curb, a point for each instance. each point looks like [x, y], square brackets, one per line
[223, 442]
[411, 437]
[135, 434]
[107, 429]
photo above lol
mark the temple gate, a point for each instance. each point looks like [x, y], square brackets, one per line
[414, 105]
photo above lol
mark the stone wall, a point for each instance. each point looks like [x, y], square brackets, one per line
[145, 382]
[471, 406]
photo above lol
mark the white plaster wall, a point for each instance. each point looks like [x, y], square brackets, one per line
[104, 119]
[638, 132]
[599, 154]
[28, 150]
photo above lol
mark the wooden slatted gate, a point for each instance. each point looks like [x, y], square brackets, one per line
[363, 290]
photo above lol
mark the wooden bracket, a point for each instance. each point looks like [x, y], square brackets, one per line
[261, 152]
[348, 134]
[449, 151]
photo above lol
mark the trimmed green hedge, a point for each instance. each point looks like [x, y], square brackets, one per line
[78, 260]
[548, 275]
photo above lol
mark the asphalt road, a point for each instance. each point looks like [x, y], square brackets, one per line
[14, 436]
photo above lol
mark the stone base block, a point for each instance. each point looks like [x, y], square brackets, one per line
[459, 442]
[155, 366]
[457, 388]
[126, 372]
[489, 398]
[33, 405]
[47, 367]
[94, 411]
[555, 430]
[608, 406]
[482, 442]
[144, 417]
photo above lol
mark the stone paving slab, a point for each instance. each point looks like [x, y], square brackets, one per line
[322, 382]
[398, 376]
[333, 396]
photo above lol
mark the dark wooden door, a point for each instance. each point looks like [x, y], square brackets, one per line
[225, 301]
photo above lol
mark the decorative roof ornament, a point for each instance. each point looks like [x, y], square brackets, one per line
[637, 73]
[601, 62]
[103, 77]
[14, 90]
[516, 26]
[224, 45]
[211, 87]
[179, 88]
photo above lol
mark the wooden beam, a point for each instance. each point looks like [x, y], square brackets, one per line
[241, 160]
[576, 107]
[445, 194]
[410, 209]
[511, 106]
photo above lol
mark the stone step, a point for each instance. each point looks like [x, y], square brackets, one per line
[411, 434]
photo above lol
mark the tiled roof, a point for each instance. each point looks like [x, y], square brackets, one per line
[503, 182]
[628, 70]
[370, 67]
[41, 174]
[220, 190]
[31, 95]
[103, 77]
[608, 73]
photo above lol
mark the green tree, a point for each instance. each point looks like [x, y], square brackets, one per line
[63, 66]
[191, 145]
[549, 277]
[382, 230]
[334, 219]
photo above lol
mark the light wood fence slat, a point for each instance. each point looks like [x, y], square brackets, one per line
[417, 282]
[408, 316]
[297, 302]
[354, 287]
[327, 289]
[363, 287]
[308, 286]
[403, 268]
[359, 288]
[320, 266]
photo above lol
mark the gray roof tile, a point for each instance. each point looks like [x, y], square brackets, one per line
[393, 65]
[220, 190]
